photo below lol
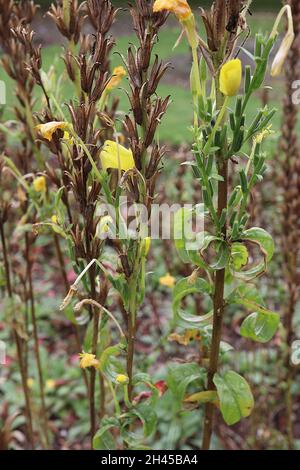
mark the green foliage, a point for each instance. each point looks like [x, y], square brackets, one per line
[260, 327]
[236, 400]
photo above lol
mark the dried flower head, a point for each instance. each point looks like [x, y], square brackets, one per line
[286, 43]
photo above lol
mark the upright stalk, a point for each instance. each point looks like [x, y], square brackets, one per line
[66, 283]
[36, 341]
[290, 183]
[218, 300]
[18, 342]
[131, 330]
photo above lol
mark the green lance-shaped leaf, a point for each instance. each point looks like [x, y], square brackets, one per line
[184, 237]
[103, 439]
[248, 296]
[260, 327]
[265, 242]
[183, 288]
[107, 360]
[239, 256]
[206, 396]
[181, 375]
[222, 257]
[236, 399]
[148, 417]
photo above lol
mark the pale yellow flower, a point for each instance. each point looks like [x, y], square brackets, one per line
[122, 379]
[167, 280]
[30, 382]
[146, 243]
[47, 130]
[39, 184]
[181, 8]
[118, 74]
[231, 77]
[88, 360]
[50, 384]
[116, 156]
[54, 219]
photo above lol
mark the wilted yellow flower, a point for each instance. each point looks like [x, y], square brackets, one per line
[50, 384]
[181, 8]
[30, 382]
[88, 360]
[167, 280]
[118, 74]
[54, 219]
[122, 379]
[114, 155]
[286, 43]
[39, 184]
[231, 77]
[184, 14]
[47, 130]
[186, 338]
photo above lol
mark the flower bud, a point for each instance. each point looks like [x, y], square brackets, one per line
[231, 77]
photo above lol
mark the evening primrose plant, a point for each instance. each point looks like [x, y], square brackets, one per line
[228, 162]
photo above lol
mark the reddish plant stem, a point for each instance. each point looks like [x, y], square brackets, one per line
[218, 300]
[18, 342]
[67, 286]
[36, 340]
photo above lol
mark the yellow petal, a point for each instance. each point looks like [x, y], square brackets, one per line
[88, 360]
[231, 77]
[116, 156]
[167, 280]
[47, 130]
[122, 379]
[39, 184]
[181, 8]
[50, 384]
[118, 73]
